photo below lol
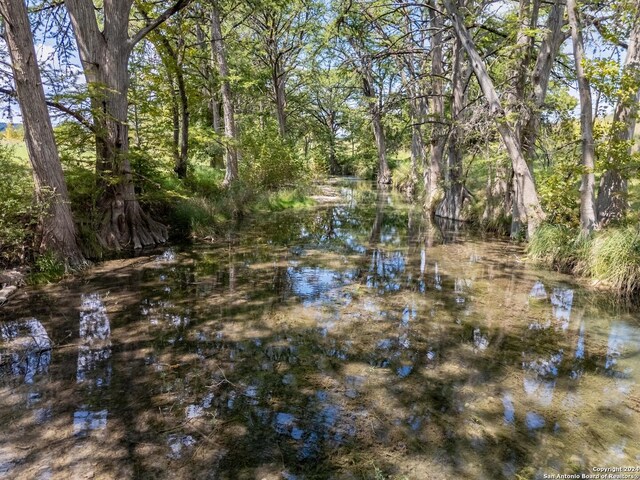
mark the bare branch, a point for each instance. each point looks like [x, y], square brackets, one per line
[58, 106]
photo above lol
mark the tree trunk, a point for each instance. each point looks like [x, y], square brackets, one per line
[384, 174]
[498, 193]
[417, 116]
[612, 193]
[516, 106]
[528, 19]
[104, 55]
[210, 89]
[231, 151]
[417, 145]
[179, 101]
[529, 108]
[438, 137]
[410, 66]
[331, 128]
[175, 120]
[124, 222]
[279, 84]
[58, 229]
[183, 143]
[540, 78]
[417, 119]
[455, 192]
[531, 212]
[215, 114]
[375, 112]
[587, 198]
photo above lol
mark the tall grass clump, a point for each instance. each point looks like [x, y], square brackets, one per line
[404, 179]
[194, 217]
[209, 211]
[47, 268]
[615, 259]
[558, 247]
[610, 257]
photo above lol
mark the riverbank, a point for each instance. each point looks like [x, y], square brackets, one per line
[609, 259]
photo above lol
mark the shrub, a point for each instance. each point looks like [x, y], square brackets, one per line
[558, 191]
[268, 160]
[204, 181]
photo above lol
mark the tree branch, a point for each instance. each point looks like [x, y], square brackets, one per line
[72, 113]
[143, 32]
[58, 106]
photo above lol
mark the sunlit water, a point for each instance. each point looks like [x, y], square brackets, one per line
[353, 340]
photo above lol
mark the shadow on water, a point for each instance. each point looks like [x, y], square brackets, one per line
[355, 340]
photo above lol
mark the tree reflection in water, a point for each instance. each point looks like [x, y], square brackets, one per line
[351, 339]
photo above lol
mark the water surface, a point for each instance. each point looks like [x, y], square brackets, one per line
[353, 340]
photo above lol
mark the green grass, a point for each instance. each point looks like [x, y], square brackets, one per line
[634, 194]
[610, 257]
[615, 259]
[18, 214]
[559, 247]
[18, 147]
[401, 174]
[284, 199]
[47, 269]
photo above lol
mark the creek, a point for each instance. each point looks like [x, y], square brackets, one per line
[354, 339]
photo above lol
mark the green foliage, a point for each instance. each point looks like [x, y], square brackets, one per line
[610, 257]
[18, 215]
[48, 269]
[612, 152]
[205, 146]
[13, 133]
[402, 174]
[603, 74]
[204, 181]
[268, 161]
[285, 199]
[560, 102]
[558, 190]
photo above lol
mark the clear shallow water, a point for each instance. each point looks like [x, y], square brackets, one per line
[354, 340]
